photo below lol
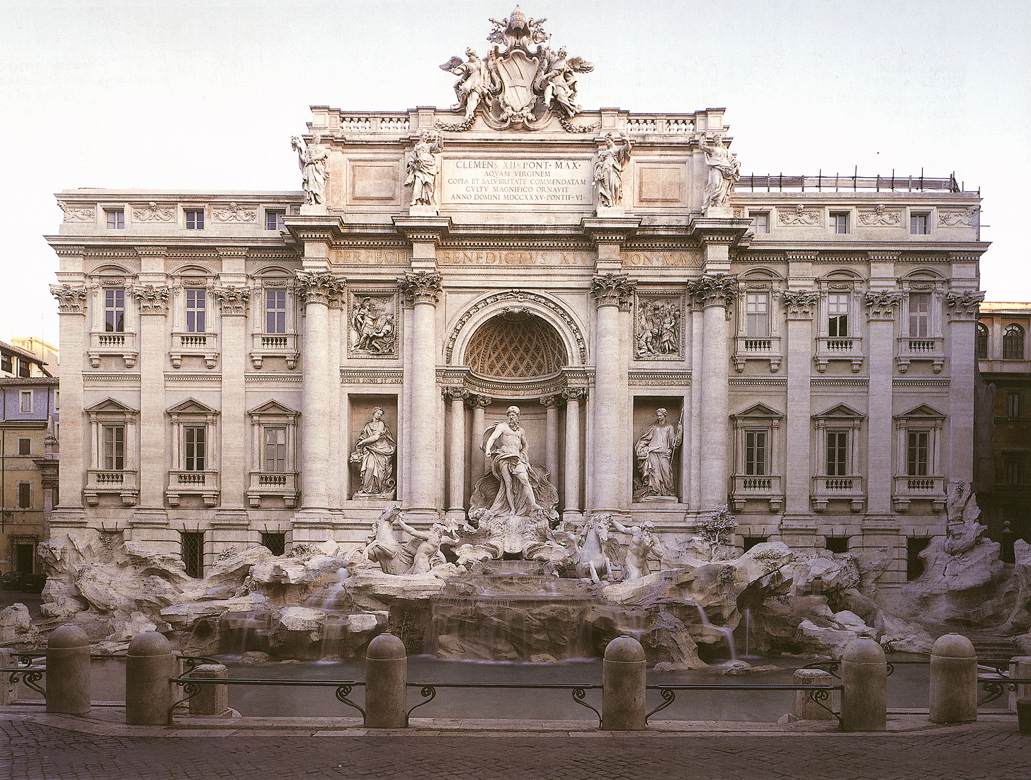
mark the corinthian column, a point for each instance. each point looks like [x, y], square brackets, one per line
[571, 473]
[456, 475]
[714, 293]
[422, 288]
[612, 294]
[550, 404]
[478, 458]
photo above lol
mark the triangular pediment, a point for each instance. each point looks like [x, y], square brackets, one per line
[111, 406]
[273, 408]
[839, 411]
[758, 411]
[924, 411]
[191, 406]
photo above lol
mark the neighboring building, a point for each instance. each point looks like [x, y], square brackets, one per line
[28, 468]
[1003, 477]
[41, 349]
[222, 351]
[16, 361]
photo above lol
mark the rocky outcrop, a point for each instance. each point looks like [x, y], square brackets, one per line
[16, 628]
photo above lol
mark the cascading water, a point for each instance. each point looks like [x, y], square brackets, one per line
[728, 634]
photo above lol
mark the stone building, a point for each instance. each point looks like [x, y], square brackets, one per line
[21, 360]
[1003, 423]
[811, 340]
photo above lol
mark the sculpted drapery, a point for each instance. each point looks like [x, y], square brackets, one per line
[654, 451]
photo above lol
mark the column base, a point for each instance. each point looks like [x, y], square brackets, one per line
[72, 517]
[799, 531]
[149, 518]
[422, 517]
[458, 515]
[311, 526]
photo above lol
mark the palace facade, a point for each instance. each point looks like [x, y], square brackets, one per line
[812, 339]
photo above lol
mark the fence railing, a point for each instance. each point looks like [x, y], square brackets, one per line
[818, 694]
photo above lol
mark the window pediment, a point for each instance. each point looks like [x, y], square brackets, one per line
[840, 411]
[758, 412]
[273, 409]
[191, 406]
[111, 407]
[921, 412]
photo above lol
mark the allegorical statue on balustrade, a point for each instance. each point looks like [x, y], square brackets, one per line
[313, 160]
[608, 171]
[374, 452]
[654, 452]
[724, 172]
[422, 167]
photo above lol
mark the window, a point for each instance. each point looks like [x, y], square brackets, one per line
[114, 310]
[274, 219]
[919, 224]
[755, 453]
[275, 311]
[24, 495]
[836, 544]
[275, 448]
[981, 342]
[837, 453]
[919, 315]
[274, 542]
[24, 447]
[757, 314]
[6, 363]
[115, 218]
[113, 443]
[25, 401]
[1013, 405]
[1014, 469]
[917, 453]
[192, 548]
[1013, 343]
[914, 563]
[837, 315]
[194, 219]
[196, 308]
[751, 541]
[760, 221]
[193, 439]
[840, 221]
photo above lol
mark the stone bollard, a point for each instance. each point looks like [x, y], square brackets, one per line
[1024, 716]
[149, 665]
[1020, 669]
[210, 700]
[804, 707]
[623, 682]
[953, 690]
[68, 671]
[386, 677]
[864, 676]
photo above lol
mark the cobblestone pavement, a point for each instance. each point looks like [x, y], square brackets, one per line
[996, 751]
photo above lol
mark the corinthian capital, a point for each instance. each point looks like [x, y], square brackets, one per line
[800, 304]
[880, 304]
[419, 287]
[963, 304]
[714, 290]
[613, 290]
[71, 299]
[319, 286]
[233, 299]
[151, 298]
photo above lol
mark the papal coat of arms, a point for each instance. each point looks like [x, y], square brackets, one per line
[521, 81]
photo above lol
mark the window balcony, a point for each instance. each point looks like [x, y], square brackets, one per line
[757, 348]
[747, 487]
[119, 482]
[283, 345]
[192, 483]
[847, 488]
[203, 345]
[846, 348]
[908, 489]
[104, 343]
[930, 349]
[268, 484]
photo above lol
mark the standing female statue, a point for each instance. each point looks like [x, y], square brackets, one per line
[313, 160]
[422, 168]
[654, 451]
[724, 171]
[373, 450]
[608, 171]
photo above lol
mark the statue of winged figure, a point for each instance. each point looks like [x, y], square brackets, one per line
[557, 77]
[475, 81]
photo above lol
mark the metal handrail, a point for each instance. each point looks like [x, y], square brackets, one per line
[818, 694]
[579, 692]
[30, 675]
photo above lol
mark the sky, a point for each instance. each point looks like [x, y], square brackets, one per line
[205, 94]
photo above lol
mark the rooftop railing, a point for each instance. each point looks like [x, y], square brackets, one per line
[821, 182]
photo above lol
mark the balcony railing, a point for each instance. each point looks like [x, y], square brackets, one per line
[760, 487]
[283, 345]
[846, 348]
[930, 349]
[268, 484]
[846, 488]
[909, 488]
[121, 482]
[122, 344]
[757, 348]
[193, 483]
[203, 345]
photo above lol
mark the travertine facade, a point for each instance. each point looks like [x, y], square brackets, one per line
[813, 350]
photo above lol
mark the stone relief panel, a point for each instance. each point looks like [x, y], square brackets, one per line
[152, 212]
[235, 214]
[78, 213]
[659, 184]
[372, 323]
[374, 182]
[798, 216]
[956, 217]
[880, 216]
[658, 326]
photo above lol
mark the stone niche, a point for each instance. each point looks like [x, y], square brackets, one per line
[361, 408]
[644, 415]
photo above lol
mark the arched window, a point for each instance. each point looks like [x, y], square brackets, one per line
[982, 341]
[1013, 343]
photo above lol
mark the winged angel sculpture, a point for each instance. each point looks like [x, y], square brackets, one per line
[521, 80]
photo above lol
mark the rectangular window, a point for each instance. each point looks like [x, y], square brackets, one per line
[1014, 468]
[115, 218]
[194, 219]
[837, 453]
[274, 542]
[114, 310]
[113, 447]
[757, 314]
[24, 495]
[840, 221]
[196, 308]
[24, 447]
[755, 453]
[274, 219]
[193, 447]
[192, 547]
[25, 401]
[1013, 405]
[760, 221]
[836, 544]
[917, 453]
[275, 311]
[6, 363]
[919, 315]
[275, 449]
[837, 315]
[918, 224]
[23, 368]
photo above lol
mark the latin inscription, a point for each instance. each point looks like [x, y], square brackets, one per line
[510, 181]
[514, 257]
[368, 257]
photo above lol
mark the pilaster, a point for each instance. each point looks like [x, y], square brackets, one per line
[572, 470]
[799, 308]
[881, 305]
[961, 309]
